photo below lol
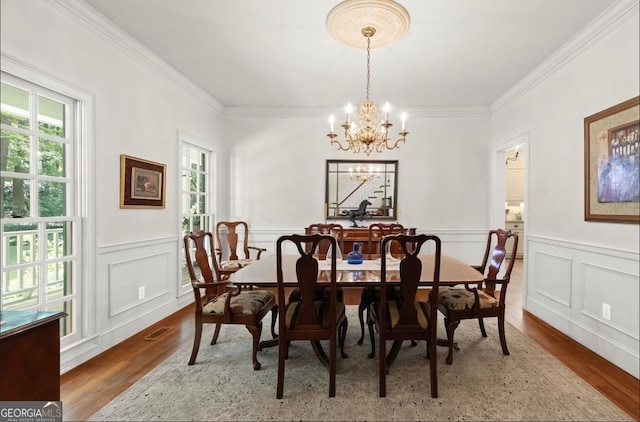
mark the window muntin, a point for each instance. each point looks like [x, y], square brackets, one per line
[38, 215]
[197, 195]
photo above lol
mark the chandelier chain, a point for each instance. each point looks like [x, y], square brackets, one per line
[368, 64]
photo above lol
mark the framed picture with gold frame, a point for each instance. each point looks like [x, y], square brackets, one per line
[142, 183]
[611, 160]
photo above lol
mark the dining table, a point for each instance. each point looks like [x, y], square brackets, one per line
[262, 274]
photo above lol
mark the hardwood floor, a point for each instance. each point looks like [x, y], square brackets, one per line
[91, 385]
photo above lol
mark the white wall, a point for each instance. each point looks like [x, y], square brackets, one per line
[277, 174]
[277, 171]
[573, 266]
[139, 107]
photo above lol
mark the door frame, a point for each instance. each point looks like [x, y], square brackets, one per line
[499, 194]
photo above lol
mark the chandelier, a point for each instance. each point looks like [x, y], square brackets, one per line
[363, 174]
[366, 131]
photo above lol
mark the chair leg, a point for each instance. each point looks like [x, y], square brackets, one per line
[451, 328]
[361, 309]
[342, 335]
[274, 318]
[216, 333]
[393, 353]
[382, 365]
[283, 348]
[482, 330]
[196, 342]
[255, 331]
[332, 366]
[503, 339]
[433, 366]
[372, 337]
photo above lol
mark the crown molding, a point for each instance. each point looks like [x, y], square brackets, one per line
[415, 112]
[602, 26]
[83, 14]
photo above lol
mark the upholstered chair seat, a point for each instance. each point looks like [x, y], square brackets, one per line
[322, 311]
[393, 311]
[235, 265]
[247, 302]
[455, 299]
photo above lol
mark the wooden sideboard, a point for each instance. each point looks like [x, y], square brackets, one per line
[30, 355]
[359, 235]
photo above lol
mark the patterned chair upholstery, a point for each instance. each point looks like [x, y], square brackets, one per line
[219, 302]
[482, 301]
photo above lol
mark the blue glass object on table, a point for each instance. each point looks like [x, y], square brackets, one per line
[355, 256]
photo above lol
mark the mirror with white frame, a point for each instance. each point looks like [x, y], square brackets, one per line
[352, 185]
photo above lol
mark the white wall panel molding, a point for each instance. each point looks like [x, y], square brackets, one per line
[614, 286]
[124, 269]
[143, 243]
[83, 14]
[599, 29]
[585, 247]
[552, 277]
[125, 278]
[567, 284]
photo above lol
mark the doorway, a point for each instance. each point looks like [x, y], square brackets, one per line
[515, 215]
[511, 205]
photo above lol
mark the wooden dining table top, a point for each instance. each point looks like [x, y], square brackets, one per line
[263, 272]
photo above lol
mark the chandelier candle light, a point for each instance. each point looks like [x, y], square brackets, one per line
[367, 131]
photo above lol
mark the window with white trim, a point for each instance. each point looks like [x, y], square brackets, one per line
[197, 193]
[39, 220]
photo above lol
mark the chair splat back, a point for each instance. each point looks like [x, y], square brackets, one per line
[498, 238]
[311, 317]
[406, 318]
[334, 229]
[377, 232]
[233, 249]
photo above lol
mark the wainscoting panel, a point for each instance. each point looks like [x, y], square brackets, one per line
[613, 287]
[128, 278]
[119, 314]
[552, 279]
[566, 286]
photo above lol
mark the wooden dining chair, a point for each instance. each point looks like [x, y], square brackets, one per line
[234, 252]
[403, 317]
[308, 318]
[377, 231]
[337, 231]
[483, 300]
[220, 302]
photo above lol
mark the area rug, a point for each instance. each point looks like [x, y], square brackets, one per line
[482, 384]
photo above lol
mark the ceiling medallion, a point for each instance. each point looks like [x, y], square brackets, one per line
[389, 19]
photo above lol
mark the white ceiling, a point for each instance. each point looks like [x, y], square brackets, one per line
[278, 53]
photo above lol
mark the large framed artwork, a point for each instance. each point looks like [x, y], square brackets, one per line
[612, 164]
[142, 183]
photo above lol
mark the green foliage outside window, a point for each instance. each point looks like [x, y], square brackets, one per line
[15, 157]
